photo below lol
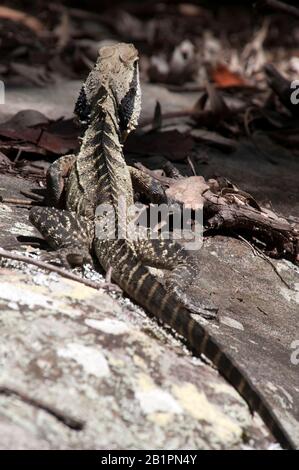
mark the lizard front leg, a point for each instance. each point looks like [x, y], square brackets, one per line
[56, 174]
[145, 184]
[71, 235]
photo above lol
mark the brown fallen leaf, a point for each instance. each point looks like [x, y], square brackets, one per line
[30, 128]
[24, 126]
[223, 77]
[25, 118]
[21, 17]
[171, 144]
[214, 138]
[188, 191]
[20, 147]
[58, 144]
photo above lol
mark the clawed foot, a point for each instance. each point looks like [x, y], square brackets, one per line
[74, 259]
[71, 258]
[68, 258]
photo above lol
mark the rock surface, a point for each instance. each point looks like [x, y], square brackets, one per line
[101, 360]
[132, 385]
[68, 350]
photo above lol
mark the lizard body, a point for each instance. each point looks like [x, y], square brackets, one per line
[109, 102]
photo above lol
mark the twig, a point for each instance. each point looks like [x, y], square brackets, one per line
[19, 153]
[31, 195]
[73, 423]
[191, 164]
[11, 200]
[258, 252]
[282, 7]
[248, 244]
[55, 269]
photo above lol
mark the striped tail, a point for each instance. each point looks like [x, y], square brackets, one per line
[142, 286]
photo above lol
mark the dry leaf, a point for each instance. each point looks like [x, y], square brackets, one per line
[171, 144]
[33, 128]
[19, 16]
[223, 77]
[214, 138]
[188, 191]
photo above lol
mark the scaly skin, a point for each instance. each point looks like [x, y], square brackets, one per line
[110, 103]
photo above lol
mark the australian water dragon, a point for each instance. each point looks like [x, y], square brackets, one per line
[109, 106]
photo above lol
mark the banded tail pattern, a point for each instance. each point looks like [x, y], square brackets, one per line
[142, 286]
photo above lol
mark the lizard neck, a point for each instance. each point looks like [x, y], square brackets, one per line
[101, 169]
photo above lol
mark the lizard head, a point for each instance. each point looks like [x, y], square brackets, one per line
[116, 74]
